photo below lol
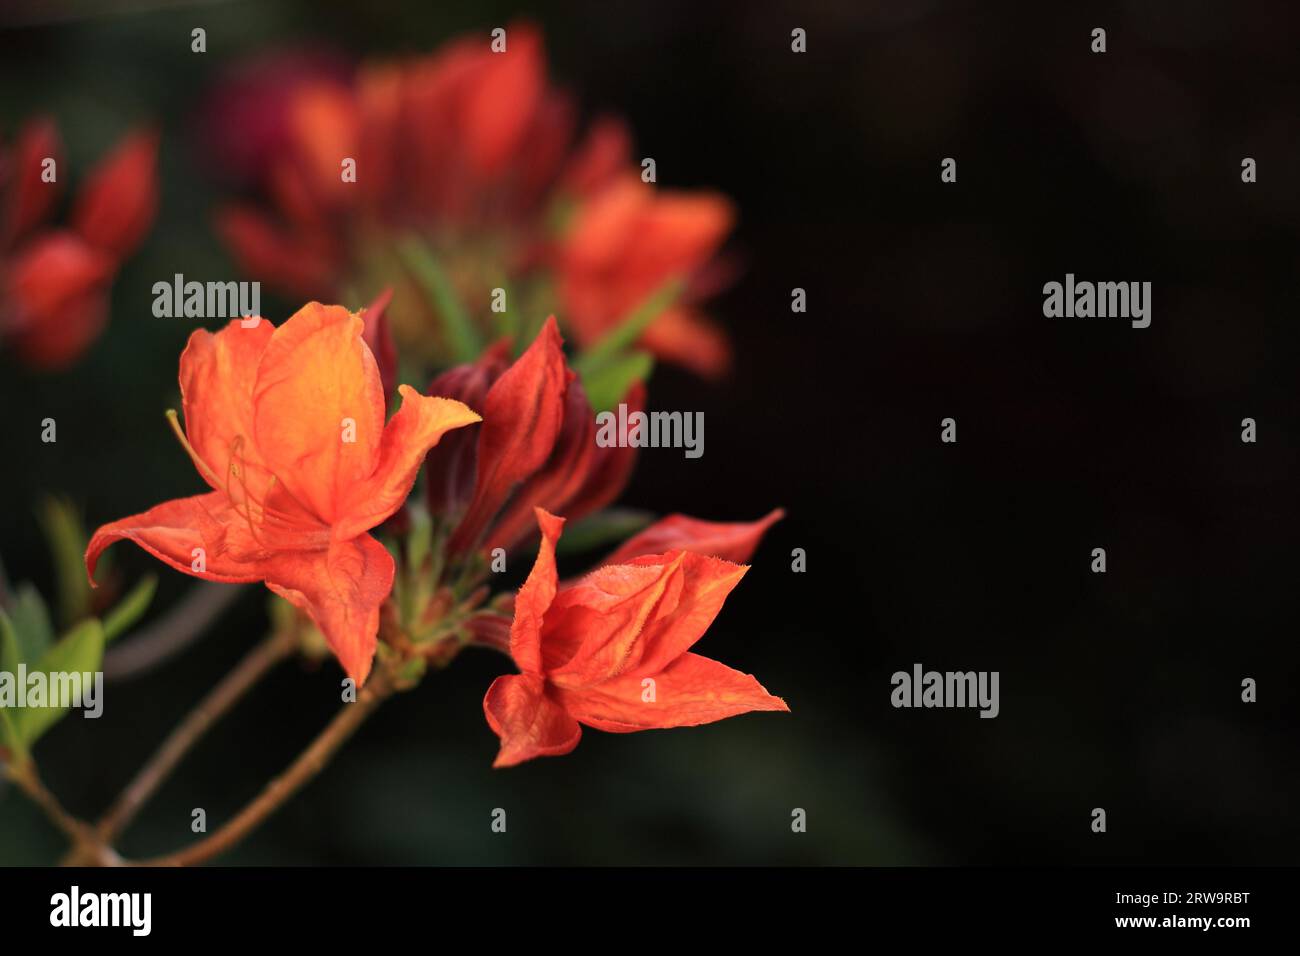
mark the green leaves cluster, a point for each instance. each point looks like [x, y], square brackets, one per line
[28, 636]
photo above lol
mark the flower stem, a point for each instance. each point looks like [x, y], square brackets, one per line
[428, 272]
[382, 685]
[27, 780]
[254, 666]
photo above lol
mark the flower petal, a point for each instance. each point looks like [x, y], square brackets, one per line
[326, 127]
[452, 464]
[118, 201]
[32, 197]
[687, 338]
[535, 598]
[379, 339]
[301, 265]
[692, 690]
[595, 629]
[413, 430]
[522, 415]
[57, 288]
[729, 540]
[174, 531]
[500, 103]
[558, 481]
[217, 374]
[318, 408]
[638, 617]
[610, 468]
[341, 589]
[528, 722]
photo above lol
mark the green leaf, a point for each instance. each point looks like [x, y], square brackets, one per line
[606, 385]
[81, 651]
[31, 622]
[424, 266]
[130, 609]
[604, 528]
[10, 739]
[630, 327]
[67, 540]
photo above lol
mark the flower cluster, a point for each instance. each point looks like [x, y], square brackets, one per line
[429, 189]
[467, 175]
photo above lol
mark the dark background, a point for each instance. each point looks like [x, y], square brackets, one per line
[1119, 691]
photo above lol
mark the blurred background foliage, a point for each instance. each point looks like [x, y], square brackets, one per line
[1119, 691]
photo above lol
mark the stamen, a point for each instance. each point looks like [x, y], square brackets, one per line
[204, 468]
[235, 469]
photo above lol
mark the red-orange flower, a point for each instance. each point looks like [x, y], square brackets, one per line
[624, 244]
[54, 282]
[612, 651]
[287, 426]
[535, 448]
[472, 154]
[463, 144]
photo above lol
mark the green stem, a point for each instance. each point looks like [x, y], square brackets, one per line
[629, 328]
[465, 342]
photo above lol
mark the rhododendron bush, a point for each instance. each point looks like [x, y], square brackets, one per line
[476, 277]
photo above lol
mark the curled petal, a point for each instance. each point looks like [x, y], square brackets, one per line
[529, 723]
[199, 536]
[692, 690]
[730, 540]
[535, 597]
[341, 589]
[414, 429]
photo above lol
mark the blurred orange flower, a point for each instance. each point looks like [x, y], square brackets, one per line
[473, 153]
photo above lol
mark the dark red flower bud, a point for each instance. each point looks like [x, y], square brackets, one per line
[452, 464]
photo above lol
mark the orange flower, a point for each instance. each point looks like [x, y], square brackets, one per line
[287, 426]
[612, 651]
[54, 282]
[623, 245]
